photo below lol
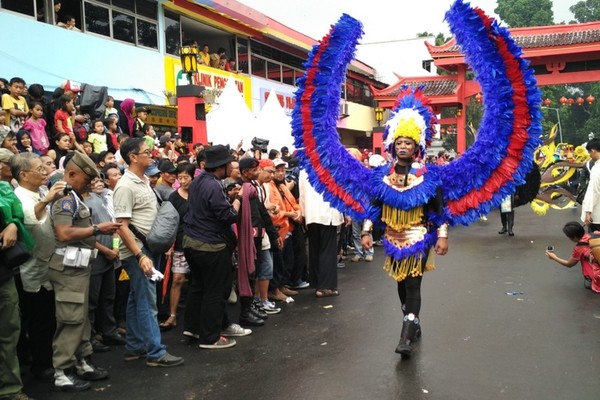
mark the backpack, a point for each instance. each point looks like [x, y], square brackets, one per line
[163, 232]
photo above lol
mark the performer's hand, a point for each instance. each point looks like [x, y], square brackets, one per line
[366, 242]
[441, 246]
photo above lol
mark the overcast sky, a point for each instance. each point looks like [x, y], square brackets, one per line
[392, 21]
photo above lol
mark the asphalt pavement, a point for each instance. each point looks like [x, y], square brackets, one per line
[499, 320]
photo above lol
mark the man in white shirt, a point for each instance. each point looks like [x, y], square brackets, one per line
[590, 208]
[36, 297]
[322, 223]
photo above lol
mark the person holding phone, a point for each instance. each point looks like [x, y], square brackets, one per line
[581, 253]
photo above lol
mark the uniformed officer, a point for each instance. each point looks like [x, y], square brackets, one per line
[69, 273]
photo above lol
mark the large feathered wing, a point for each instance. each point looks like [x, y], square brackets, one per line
[502, 155]
[332, 171]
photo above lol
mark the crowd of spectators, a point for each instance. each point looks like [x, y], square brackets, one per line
[267, 211]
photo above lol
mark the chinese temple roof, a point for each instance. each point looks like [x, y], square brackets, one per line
[432, 86]
[537, 37]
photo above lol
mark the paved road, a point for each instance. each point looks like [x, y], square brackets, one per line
[478, 342]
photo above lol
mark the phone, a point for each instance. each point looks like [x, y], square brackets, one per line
[550, 248]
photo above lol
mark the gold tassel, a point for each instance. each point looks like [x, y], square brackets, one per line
[430, 264]
[400, 269]
[399, 220]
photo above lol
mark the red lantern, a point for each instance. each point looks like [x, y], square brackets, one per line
[590, 99]
[563, 100]
[547, 102]
[478, 98]
[570, 101]
[579, 101]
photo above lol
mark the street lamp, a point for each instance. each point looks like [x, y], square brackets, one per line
[378, 115]
[558, 118]
[189, 61]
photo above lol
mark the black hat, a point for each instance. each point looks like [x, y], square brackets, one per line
[165, 165]
[143, 109]
[217, 156]
[248, 163]
[164, 139]
[292, 162]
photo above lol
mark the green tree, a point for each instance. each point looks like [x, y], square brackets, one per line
[586, 11]
[520, 13]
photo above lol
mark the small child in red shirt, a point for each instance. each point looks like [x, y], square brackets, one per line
[581, 253]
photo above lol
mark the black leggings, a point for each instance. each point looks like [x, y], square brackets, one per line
[409, 291]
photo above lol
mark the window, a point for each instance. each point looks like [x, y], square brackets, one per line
[147, 34]
[242, 53]
[172, 33]
[287, 75]
[258, 67]
[147, 8]
[270, 53]
[358, 92]
[128, 5]
[274, 71]
[130, 21]
[97, 19]
[20, 6]
[123, 27]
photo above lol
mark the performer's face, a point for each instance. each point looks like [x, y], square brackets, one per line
[405, 148]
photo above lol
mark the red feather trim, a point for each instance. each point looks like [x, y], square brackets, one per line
[518, 138]
[323, 174]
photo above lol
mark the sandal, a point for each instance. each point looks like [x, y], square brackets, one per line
[326, 292]
[170, 323]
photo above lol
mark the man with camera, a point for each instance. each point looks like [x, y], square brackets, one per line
[69, 273]
[36, 297]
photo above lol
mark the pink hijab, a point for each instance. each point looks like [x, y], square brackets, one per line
[127, 106]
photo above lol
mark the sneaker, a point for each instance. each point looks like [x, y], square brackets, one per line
[249, 319]
[236, 330]
[167, 360]
[341, 265]
[378, 243]
[288, 292]
[270, 303]
[131, 356]
[356, 258]
[299, 284]
[270, 308]
[222, 343]
[67, 381]
[256, 309]
[191, 335]
[369, 258]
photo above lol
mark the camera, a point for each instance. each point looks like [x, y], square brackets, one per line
[67, 189]
[550, 248]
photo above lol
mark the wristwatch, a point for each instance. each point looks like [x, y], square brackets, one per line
[96, 229]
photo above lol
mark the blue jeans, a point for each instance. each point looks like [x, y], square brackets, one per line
[143, 332]
[356, 238]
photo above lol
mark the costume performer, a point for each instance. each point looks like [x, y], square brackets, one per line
[415, 202]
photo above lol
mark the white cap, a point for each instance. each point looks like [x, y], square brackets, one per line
[279, 162]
